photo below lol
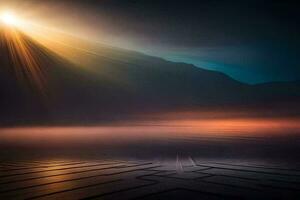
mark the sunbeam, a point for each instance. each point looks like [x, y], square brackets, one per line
[22, 56]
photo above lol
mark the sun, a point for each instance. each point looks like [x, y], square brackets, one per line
[9, 19]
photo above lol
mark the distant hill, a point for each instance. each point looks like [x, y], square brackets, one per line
[121, 83]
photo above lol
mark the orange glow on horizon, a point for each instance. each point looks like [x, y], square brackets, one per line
[167, 129]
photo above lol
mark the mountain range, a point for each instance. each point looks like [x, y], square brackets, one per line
[112, 83]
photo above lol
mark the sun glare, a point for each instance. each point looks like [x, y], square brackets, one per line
[9, 19]
[22, 55]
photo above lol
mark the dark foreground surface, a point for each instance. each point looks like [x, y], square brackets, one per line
[212, 159]
[182, 178]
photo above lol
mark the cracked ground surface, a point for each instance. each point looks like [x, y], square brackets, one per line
[190, 178]
[145, 163]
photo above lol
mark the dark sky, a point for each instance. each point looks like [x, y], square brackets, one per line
[252, 41]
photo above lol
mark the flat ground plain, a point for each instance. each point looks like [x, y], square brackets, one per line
[90, 164]
[126, 179]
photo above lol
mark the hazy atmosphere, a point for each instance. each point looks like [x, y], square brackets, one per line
[149, 99]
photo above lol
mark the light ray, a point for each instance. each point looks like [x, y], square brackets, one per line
[23, 58]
